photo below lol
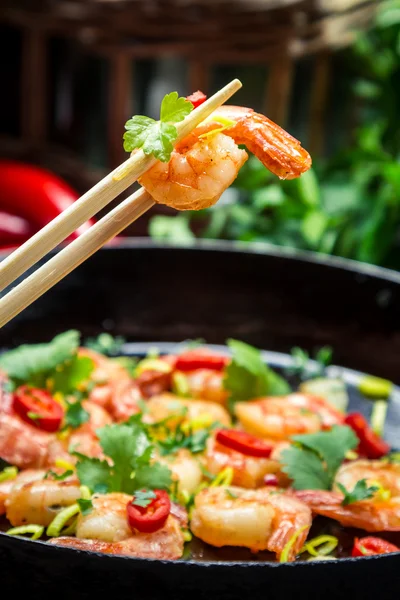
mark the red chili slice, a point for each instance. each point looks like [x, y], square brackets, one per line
[197, 98]
[201, 359]
[37, 407]
[371, 445]
[243, 442]
[370, 546]
[152, 517]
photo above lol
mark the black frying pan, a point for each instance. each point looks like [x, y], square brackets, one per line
[272, 299]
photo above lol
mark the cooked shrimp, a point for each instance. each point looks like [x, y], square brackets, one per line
[196, 174]
[207, 384]
[7, 486]
[370, 515]
[257, 519]
[185, 469]
[201, 168]
[38, 501]
[168, 405]
[281, 417]
[21, 444]
[105, 529]
[385, 475]
[248, 471]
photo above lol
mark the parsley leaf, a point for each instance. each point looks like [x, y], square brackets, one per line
[71, 375]
[247, 376]
[106, 344]
[85, 505]
[33, 363]
[361, 491]
[157, 137]
[143, 498]
[314, 458]
[129, 449]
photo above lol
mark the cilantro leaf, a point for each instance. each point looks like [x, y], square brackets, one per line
[314, 459]
[361, 491]
[174, 109]
[106, 344]
[72, 374]
[178, 439]
[143, 498]
[155, 476]
[85, 505]
[75, 415]
[157, 137]
[247, 376]
[32, 363]
[94, 473]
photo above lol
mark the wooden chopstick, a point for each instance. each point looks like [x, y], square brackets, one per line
[74, 254]
[99, 196]
[89, 242]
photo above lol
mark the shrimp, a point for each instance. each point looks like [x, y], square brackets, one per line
[7, 486]
[248, 471]
[280, 417]
[196, 174]
[202, 166]
[257, 519]
[372, 514]
[21, 444]
[105, 529]
[168, 405]
[207, 384]
[39, 501]
[185, 470]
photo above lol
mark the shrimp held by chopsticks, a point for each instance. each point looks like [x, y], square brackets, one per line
[208, 160]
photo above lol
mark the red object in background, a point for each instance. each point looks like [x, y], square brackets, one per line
[201, 359]
[370, 546]
[197, 98]
[30, 197]
[371, 445]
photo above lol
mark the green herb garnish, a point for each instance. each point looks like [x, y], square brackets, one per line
[106, 344]
[85, 505]
[143, 498]
[58, 477]
[314, 458]
[157, 137]
[361, 491]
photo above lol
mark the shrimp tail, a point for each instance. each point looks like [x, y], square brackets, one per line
[280, 152]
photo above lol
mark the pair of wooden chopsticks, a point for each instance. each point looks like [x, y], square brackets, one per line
[83, 209]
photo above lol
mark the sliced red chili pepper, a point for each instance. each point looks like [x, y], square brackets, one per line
[197, 98]
[201, 359]
[38, 408]
[371, 445]
[271, 479]
[152, 517]
[369, 546]
[243, 442]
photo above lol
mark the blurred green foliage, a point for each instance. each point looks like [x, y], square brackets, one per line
[348, 205]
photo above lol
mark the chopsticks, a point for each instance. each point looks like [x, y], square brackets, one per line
[83, 209]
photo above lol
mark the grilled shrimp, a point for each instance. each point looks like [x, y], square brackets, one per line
[207, 384]
[204, 164]
[105, 529]
[281, 417]
[39, 501]
[168, 405]
[185, 469]
[379, 513]
[256, 519]
[7, 486]
[196, 174]
[248, 471]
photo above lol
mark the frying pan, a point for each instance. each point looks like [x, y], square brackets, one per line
[272, 298]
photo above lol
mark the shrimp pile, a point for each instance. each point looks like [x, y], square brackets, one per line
[165, 451]
[207, 161]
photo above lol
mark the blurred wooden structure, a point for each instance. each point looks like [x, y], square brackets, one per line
[205, 33]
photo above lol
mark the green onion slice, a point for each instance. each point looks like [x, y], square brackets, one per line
[225, 477]
[325, 544]
[375, 387]
[60, 520]
[287, 548]
[8, 473]
[36, 531]
[378, 416]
